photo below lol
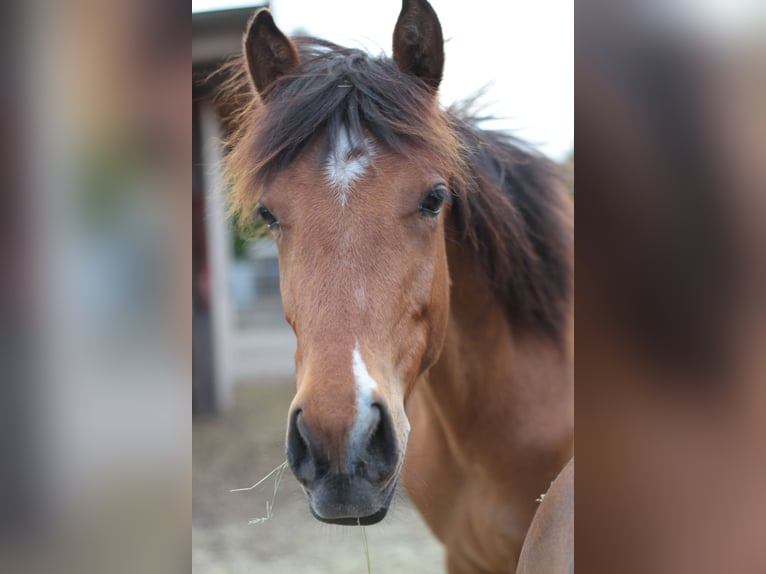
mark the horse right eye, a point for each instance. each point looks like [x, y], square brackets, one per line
[268, 218]
[431, 204]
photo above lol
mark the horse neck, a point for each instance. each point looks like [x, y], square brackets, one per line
[493, 385]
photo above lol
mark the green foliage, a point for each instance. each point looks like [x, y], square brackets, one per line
[242, 233]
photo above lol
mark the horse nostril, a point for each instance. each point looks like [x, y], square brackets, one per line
[374, 456]
[298, 450]
[381, 448]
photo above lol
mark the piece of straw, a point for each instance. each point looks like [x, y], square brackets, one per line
[279, 471]
[366, 549]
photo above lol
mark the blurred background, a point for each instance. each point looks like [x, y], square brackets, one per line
[243, 349]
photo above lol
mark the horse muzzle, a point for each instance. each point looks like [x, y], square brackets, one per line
[349, 484]
[349, 501]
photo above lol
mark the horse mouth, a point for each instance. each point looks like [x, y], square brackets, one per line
[362, 513]
[354, 521]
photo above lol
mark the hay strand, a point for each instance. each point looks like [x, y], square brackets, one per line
[366, 548]
[278, 471]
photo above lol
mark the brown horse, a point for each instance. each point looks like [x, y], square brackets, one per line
[425, 267]
[549, 544]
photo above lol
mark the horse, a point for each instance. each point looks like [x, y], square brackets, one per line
[425, 267]
[549, 544]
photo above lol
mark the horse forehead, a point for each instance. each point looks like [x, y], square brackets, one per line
[351, 156]
[348, 160]
[352, 179]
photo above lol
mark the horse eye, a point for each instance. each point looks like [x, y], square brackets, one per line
[431, 204]
[267, 217]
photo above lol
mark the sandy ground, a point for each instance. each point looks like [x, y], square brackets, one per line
[238, 449]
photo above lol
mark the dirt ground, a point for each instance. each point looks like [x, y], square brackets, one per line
[235, 451]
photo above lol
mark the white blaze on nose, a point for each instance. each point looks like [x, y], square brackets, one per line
[346, 162]
[365, 385]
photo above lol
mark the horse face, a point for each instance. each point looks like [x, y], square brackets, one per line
[365, 287]
[363, 271]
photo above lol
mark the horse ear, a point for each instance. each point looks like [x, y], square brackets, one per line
[268, 52]
[418, 42]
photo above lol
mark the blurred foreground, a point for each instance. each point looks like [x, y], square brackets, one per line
[95, 433]
[671, 288]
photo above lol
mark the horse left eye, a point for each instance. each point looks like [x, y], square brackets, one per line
[268, 218]
[431, 204]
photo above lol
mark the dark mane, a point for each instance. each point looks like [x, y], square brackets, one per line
[512, 214]
[508, 207]
[332, 87]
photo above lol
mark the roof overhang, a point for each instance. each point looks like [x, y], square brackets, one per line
[217, 35]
